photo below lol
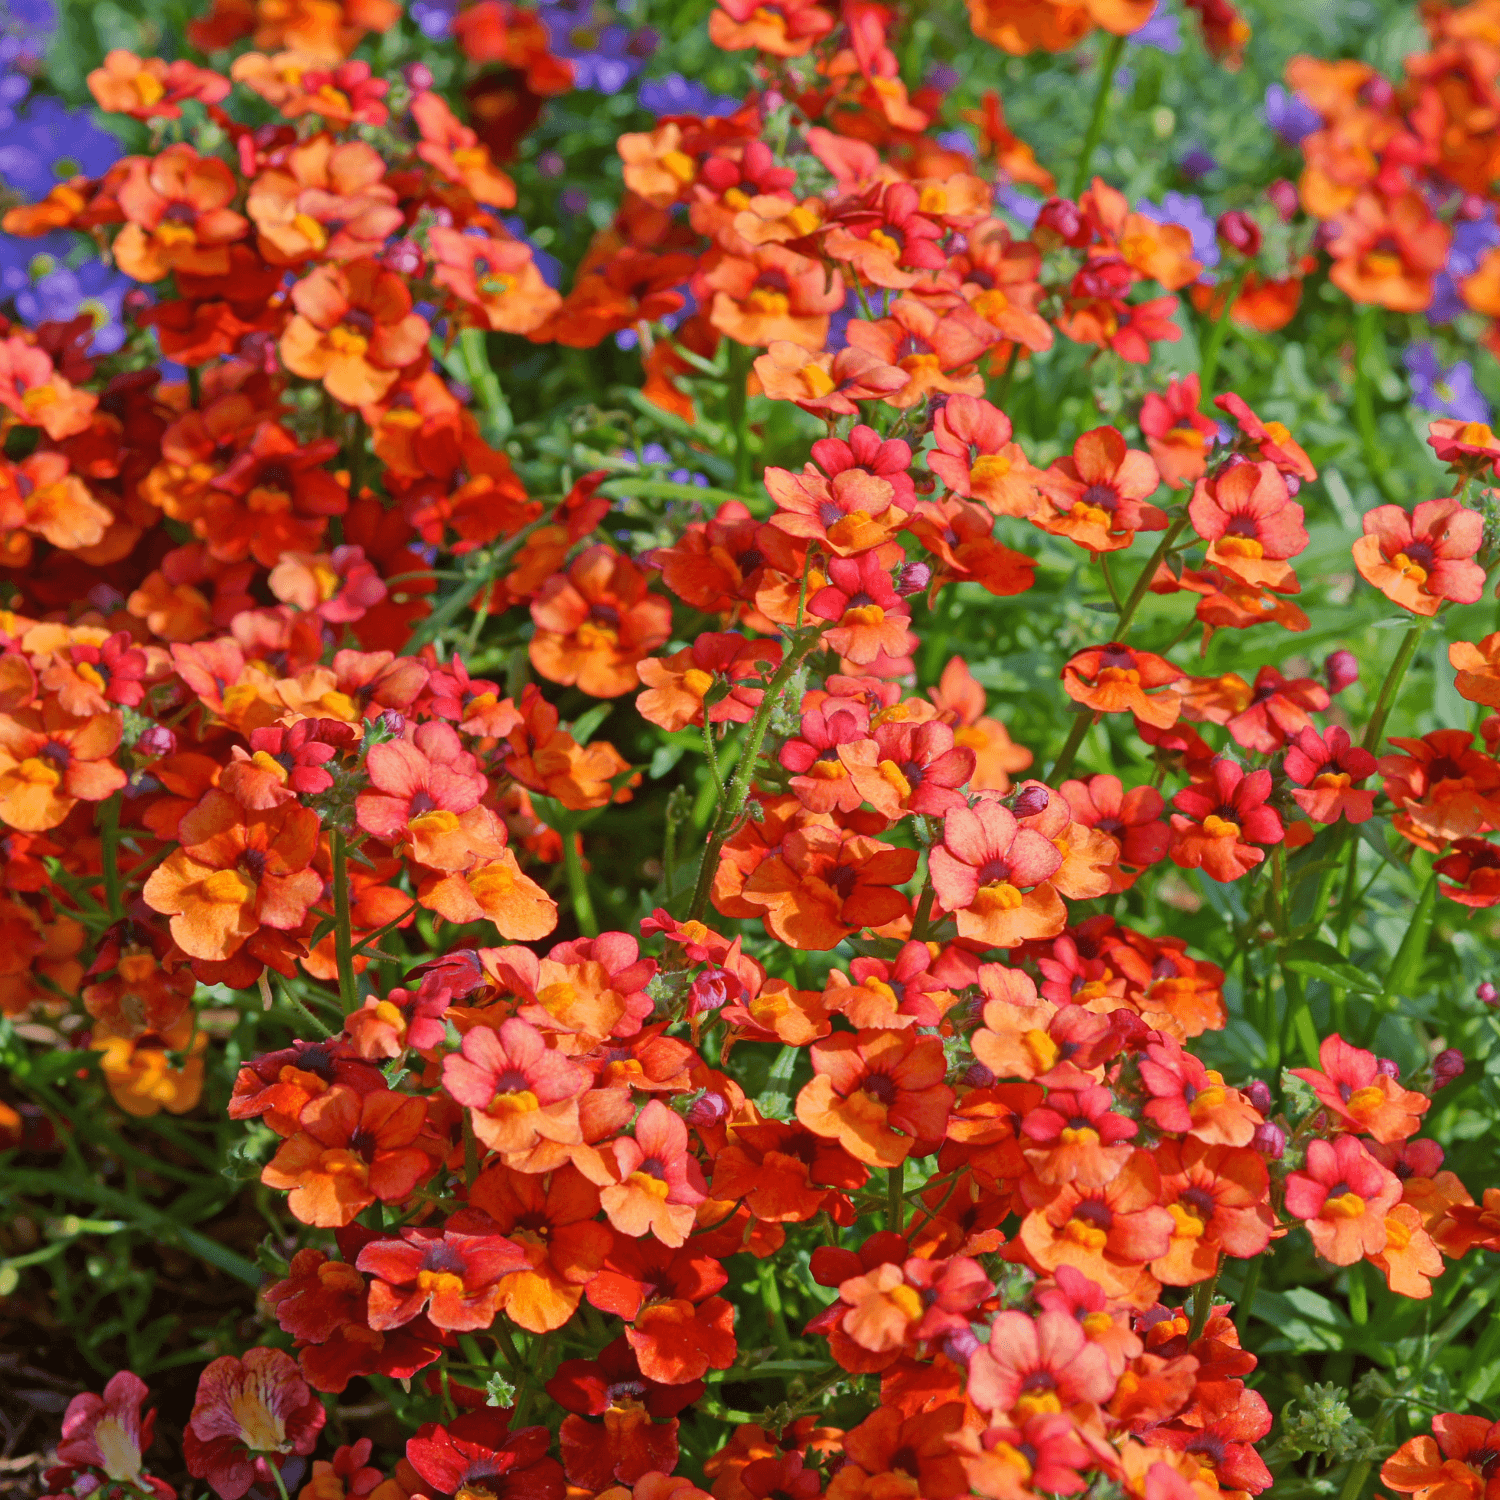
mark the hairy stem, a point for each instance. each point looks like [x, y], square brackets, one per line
[1109, 61]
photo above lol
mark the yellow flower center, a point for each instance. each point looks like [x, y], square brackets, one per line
[437, 1283]
[1089, 1236]
[991, 304]
[907, 1300]
[1408, 569]
[517, 1102]
[262, 761]
[347, 341]
[37, 772]
[1239, 546]
[847, 530]
[1332, 781]
[884, 241]
[769, 303]
[121, 1455]
[998, 895]
[1187, 1224]
[681, 166]
[1345, 1206]
[1120, 674]
[148, 87]
[227, 888]
[1079, 1135]
[697, 681]
[261, 1429]
[1369, 1097]
[652, 1186]
[989, 468]
[816, 379]
[170, 234]
[890, 773]
[434, 823]
[1037, 1404]
[864, 614]
[310, 230]
[1220, 828]
[1043, 1050]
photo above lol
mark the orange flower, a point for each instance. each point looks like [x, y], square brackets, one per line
[41, 495]
[236, 872]
[660, 1182]
[1478, 669]
[1115, 679]
[1098, 495]
[40, 397]
[1343, 1196]
[350, 1150]
[549, 760]
[960, 698]
[150, 88]
[455, 151]
[177, 205]
[517, 1089]
[49, 761]
[596, 622]
[325, 199]
[824, 884]
[783, 28]
[1418, 560]
[937, 350]
[498, 278]
[1410, 1259]
[878, 1093]
[827, 384]
[773, 294]
[138, 1068]
[354, 330]
[1388, 251]
[976, 459]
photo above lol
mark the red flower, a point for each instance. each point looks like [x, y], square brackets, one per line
[111, 1433]
[1418, 560]
[247, 1415]
[993, 875]
[1473, 868]
[870, 618]
[1177, 433]
[1132, 819]
[1355, 1091]
[1098, 495]
[517, 1089]
[1325, 769]
[976, 458]
[452, 1277]
[1278, 709]
[476, 1454]
[1251, 523]
[1221, 821]
[660, 1183]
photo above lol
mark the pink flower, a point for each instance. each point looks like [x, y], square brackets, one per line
[518, 1090]
[1326, 769]
[1343, 1197]
[1032, 1367]
[993, 875]
[111, 1433]
[247, 1414]
[1421, 559]
[454, 1277]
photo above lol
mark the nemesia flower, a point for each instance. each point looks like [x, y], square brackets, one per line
[247, 1416]
[453, 1278]
[517, 1090]
[1455, 1461]
[477, 1452]
[1116, 678]
[1343, 1196]
[976, 458]
[869, 619]
[1221, 821]
[1178, 435]
[1251, 523]
[1036, 1367]
[994, 876]
[825, 384]
[1325, 769]
[1473, 868]
[1098, 494]
[660, 1182]
[1420, 559]
[1353, 1088]
[112, 1433]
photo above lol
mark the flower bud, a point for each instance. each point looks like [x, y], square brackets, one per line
[1282, 196]
[913, 578]
[1269, 1140]
[1341, 670]
[1238, 231]
[418, 76]
[1031, 800]
[1487, 992]
[709, 1108]
[1447, 1066]
[1061, 221]
[1259, 1095]
[393, 721]
[1377, 92]
[711, 990]
[156, 741]
[404, 257]
[961, 1346]
[551, 164]
[1388, 1066]
[977, 1076]
[136, 301]
[103, 597]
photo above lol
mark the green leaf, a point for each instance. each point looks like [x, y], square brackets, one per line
[1320, 960]
[585, 725]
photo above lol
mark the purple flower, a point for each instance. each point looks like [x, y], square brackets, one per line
[1472, 239]
[1446, 393]
[1020, 206]
[60, 295]
[1290, 115]
[1160, 31]
[1197, 163]
[602, 54]
[676, 95]
[26, 26]
[22, 260]
[50, 144]
[1183, 209]
[434, 18]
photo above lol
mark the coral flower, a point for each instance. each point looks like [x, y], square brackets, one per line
[456, 153]
[976, 458]
[453, 1278]
[919, 770]
[1387, 251]
[824, 884]
[782, 28]
[877, 1093]
[1444, 787]
[1325, 770]
[517, 1089]
[1251, 523]
[349, 1151]
[1035, 1367]
[1044, 1454]
[1115, 678]
[1343, 1196]
[869, 618]
[1178, 435]
[497, 278]
[1352, 1087]
[1278, 708]
[1132, 819]
[1458, 1463]
[236, 871]
[1477, 665]
[889, 1448]
[1418, 560]
[354, 330]
[1473, 868]
[660, 1184]
[249, 1415]
[596, 622]
[723, 663]
[994, 876]
[328, 200]
[937, 350]
[1098, 495]
[851, 513]
[774, 295]
[1219, 1199]
[49, 761]
[828, 385]
[960, 698]
[1221, 821]
[1077, 1137]
[179, 218]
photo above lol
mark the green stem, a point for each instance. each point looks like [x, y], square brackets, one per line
[343, 927]
[109, 838]
[1203, 1304]
[578, 884]
[1143, 583]
[895, 1209]
[1107, 65]
[1367, 328]
[924, 913]
[1082, 723]
[1007, 376]
[276, 1475]
[1386, 700]
[1208, 365]
[1247, 1295]
[770, 1292]
[739, 374]
[733, 805]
